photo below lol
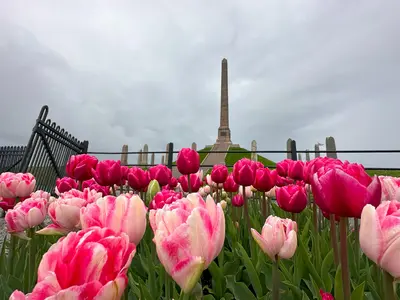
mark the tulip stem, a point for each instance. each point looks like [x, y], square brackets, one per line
[246, 209]
[293, 216]
[80, 185]
[275, 279]
[32, 263]
[217, 194]
[264, 205]
[167, 286]
[344, 258]
[189, 185]
[388, 286]
[113, 191]
[334, 241]
[11, 253]
[357, 243]
[315, 216]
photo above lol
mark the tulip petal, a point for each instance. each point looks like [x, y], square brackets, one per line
[371, 238]
[263, 244]
[390, 259]
[53, 229]
[113, 290]
[187, 273]
[289, 246]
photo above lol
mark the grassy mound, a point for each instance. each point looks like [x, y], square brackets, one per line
[232, 157]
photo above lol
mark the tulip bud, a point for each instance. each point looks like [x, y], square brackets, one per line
[188, 161]
[223, 204]
[278, 237]
[152, 190]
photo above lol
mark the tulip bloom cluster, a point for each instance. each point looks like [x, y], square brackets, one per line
[13, 186]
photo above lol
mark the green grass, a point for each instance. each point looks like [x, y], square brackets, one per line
[232, 157]
[204, 154]
[384, 173]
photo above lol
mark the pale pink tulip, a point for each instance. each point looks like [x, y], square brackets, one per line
[380, 235]
[25, 215]
[65, 214]
[189, 234]
[14, 185]
[278, 237]
[121, 214]
[390, 188]
[89, 264]
[248, 191]
[89, 195]
[40, 194]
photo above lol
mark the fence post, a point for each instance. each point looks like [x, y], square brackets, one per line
[293, 150]
[170, 155]
[85, 148]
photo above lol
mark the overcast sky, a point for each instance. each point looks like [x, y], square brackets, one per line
[136, 72]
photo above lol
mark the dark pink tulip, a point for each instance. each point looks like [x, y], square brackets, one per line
[65, 184]
[230, 185]
[291, 198]
[265, 180]
[219, 173]
[345, 189]
[161, 173]
[244, 172]
[295, 170]
[93, 185]
[80, 167]
[188, 161]
[237, 200]
[195, 183]
[138, 179]
[282, 167]
[108, 172]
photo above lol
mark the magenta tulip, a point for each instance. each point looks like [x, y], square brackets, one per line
[188, 161]
[244, 172]
[80, 167]
[291, 198]
[65, 184]
[219, 173]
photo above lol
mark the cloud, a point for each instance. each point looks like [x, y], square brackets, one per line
[149, 72]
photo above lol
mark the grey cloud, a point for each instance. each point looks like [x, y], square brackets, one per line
[149, 73]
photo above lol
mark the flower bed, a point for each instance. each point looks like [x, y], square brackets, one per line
[324, 229]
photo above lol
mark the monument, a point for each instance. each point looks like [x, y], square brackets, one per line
[224, 132]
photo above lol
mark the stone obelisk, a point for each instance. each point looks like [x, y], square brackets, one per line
[224, 133]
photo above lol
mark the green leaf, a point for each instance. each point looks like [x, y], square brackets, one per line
[209, 297]
[295, 290]
[239, 290]
[326, 266]
[311, 268]
[358, 293]
[254, 278]
[218, 278]
[338, 284]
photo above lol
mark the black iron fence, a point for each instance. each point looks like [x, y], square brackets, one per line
[11, 158]
[46, 153]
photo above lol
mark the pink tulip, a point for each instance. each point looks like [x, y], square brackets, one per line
[295, 170]
[138, 179]
[164, 197]
[244, 172]
[380, 235]
[89, 264]
[65, 184]
[189, 234]
[14, 185]
[291, 198]
[25, 215]
[64, 212]
[282, 167]
[108, 172]
[87, 194]
[91, 184]
[195, 182]
[188, 161]
[80, 167]
[160, 173]
[219, 173]
[121, 214]
[390, 188]
[230, 185]
[7, 203]
[325, 295]
[210, 182]
[40, 194]
[278, 237]
[238, 200]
